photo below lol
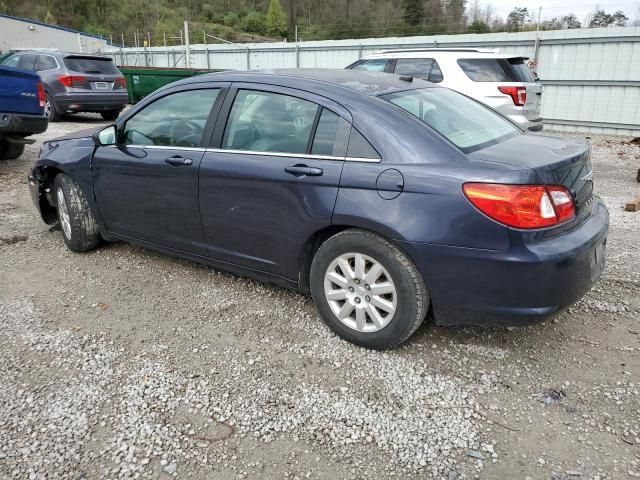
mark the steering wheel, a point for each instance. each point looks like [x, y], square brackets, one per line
[185, 133]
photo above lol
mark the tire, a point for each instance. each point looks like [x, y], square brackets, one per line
[407, 294]
[9, 150]
[51, 110]
[76, 220]
[110, 114]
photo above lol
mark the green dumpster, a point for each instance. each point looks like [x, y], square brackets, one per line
[141, 81]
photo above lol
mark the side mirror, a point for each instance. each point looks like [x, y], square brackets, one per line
[106, 136]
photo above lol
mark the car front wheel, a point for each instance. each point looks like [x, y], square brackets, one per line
[78, 225]
[367, 290]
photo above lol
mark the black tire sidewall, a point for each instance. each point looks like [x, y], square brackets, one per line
[9, 150]
[110, 114]
[81, 240]
[54, 115]
[407, 311]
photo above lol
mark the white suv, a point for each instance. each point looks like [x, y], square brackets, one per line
[503, 82]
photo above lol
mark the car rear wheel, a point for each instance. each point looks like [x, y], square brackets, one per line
[367, 290]
[9, 150]
[110, 114]
[78, 225]
[51, 110]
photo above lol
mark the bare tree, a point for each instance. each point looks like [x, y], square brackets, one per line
[474, 11]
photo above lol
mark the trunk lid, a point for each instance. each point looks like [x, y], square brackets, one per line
[554, 161]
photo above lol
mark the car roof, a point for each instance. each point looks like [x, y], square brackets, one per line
[60, 54]
[369, 83]
[435, 52]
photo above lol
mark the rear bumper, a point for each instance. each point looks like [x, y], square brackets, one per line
[534, 125]
[523, 285]
[91, 101]
[22, 124]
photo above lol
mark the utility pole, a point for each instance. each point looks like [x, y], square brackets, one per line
[186, 39]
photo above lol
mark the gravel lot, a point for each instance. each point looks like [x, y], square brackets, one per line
[123, 363]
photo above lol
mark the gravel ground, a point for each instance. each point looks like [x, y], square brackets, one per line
[123, 363]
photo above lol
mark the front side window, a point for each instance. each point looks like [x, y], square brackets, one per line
[269, 122]
[464, 122]
[12, 61]
[176, 120]
[376, 65]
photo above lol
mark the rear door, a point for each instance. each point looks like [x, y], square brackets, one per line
[100, 73]
[146, 187]
[272, 176]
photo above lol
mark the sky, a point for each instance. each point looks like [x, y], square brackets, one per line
[554, 8]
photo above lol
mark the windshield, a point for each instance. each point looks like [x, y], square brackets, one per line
[464, 122]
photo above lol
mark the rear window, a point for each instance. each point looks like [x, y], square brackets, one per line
[464, 122]
[90, 65]
[496, 69]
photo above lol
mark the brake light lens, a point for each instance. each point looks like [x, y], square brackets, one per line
[522, 206]
[41, 95]
[120, 84]
[74, 81]
[517, 94]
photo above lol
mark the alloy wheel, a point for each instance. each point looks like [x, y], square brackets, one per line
[360, 292]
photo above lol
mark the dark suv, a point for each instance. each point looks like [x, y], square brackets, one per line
[75, 82]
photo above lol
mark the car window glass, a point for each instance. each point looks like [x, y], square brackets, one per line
[416, 67]
[46, 62]
[376, 65]
[521, 70]
[28, 62]
[359, 147]
[91, 65]
[484, 70]
[175, 120]
[269, 122]
[12, 61]
[435, 75]
[325, 137]
[464, 122]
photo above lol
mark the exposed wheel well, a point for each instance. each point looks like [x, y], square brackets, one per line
[46, 177]
[310, 248]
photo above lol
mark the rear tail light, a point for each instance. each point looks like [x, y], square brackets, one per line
[41, 95]
[120, 84]
[522, 206]
[74, 81]
[517, 94]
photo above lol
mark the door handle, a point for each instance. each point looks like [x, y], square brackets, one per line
[303, 170]
[178, 161]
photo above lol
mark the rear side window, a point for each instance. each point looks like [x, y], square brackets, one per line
[464, 122]
[359, 147]
[426, 68]
[90, 65]
[375, 65]
[326, 131]
[175, 120]
[28, 62]
[46, 62]
[484, 70]
[269, 122]
[521, 70]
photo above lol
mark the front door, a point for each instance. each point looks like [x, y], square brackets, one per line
[273, 178]
[146, 187]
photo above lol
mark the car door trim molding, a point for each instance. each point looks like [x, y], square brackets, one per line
[310, 156]
[294, 155]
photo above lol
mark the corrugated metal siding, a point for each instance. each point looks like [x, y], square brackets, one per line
[566, 60]
[16, 33]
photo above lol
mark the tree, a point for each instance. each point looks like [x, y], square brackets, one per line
[558, 23]
[619, 19]
[516, 18]
[276, 21]
[478, 27]
[571, 21]
[413, 12]
[600, 18]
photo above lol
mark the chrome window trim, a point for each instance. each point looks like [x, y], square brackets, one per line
[255, 153]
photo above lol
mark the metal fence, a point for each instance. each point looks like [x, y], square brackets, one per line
[591, 77]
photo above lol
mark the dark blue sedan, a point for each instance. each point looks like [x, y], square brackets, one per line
[385, 197]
